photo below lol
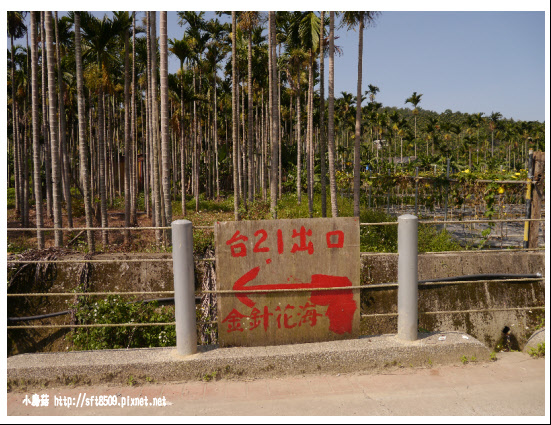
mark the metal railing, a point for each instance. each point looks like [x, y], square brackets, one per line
[191, 322]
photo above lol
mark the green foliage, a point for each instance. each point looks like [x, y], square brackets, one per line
[464, 359]
[210, 376]
[539, 351]
[382, 238]
[114, 309]
[540, 320]
[432, 240]
[11, 198]
[493, 356]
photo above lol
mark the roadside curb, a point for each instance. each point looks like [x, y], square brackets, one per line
[368, 354]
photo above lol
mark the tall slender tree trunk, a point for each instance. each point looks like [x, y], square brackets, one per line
[36, 133]
[331, 117]
[56, 172]
[154, 121]
[264, 149]
[62, 139]
[127, 141]
[275, 122]
[299, 151]
[322, 121]
[279, 132]
[243, 151]
[165, 147]
[101, 166]
[234, 117]
[216, 138]
[83, 151]
[17, 163]
[358, 135]
[250, 111]
[25, 176]
[182, 141]
[45, 123]
[134, 141]
[309, 136]
[196, 148]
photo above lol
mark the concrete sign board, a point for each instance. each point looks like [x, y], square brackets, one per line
[290, 267]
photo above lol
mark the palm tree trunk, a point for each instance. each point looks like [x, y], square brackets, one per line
[16, 145]
[17, 159]
[127, 137]
[56, 172]
[357, 139]
[299, 152]
[165, 148]
[196, 148]
[83, 153]
[243, 151]
[215, 138]
[45, 124]
[182, 142]
[264, 149]
[234, 117]
[25, 170]
[322, 120]
[133, 142]
[275, 121]
[62, 142]
[154, 122]
[331, 117]
[309, 135]
[101, 167]
[36, 133]
[279, 132]
[250, 107]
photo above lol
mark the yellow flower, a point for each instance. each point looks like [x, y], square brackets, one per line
[467, 171]
[500, 190]
[517, 174]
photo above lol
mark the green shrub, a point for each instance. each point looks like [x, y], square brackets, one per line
[538, 351]
[11, 198]
[114, 309]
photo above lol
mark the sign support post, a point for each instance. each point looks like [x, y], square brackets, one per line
[408, 291]
[184, 287]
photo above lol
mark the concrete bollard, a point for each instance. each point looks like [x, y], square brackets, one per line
[407, 277]
[184, 287]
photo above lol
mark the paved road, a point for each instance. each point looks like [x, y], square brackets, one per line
[513, 385]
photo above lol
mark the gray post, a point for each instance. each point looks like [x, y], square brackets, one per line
[407, 277]
[184, 287]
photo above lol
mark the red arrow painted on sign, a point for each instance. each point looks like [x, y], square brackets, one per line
[340, 302]
[318, 281]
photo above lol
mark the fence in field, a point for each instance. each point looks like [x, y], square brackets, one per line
[185, 313]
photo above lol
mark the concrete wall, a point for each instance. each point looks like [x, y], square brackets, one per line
[484, 325]
[380, 268]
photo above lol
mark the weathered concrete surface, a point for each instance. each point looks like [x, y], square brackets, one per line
[537, 338]
[439, 305]
[513, 385]
[373, 353]
[380, 268]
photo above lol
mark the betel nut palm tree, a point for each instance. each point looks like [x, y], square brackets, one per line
[415, 99]
[351, 20]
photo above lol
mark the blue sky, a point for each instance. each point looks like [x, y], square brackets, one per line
[464, 61]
